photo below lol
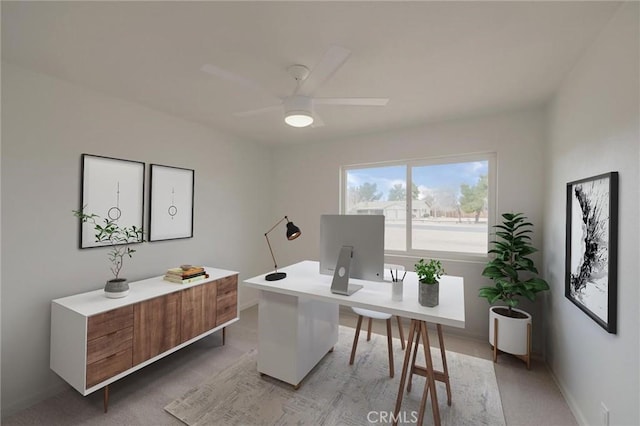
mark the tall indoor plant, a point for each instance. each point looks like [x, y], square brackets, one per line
[514, 275]
[429, 287]
[119, 239]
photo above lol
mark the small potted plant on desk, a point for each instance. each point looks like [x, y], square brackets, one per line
[510, 328]
[119, 239]
[428, 287]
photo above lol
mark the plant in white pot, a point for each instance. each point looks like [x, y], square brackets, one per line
[429, 287]
[119, 239]
[514, 275]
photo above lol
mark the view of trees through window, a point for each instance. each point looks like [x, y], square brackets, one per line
[448, 204]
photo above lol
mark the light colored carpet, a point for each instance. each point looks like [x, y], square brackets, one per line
[335, 393]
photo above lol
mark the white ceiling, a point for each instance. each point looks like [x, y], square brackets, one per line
[434, 60]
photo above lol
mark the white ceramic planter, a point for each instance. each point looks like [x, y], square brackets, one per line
[512, 332]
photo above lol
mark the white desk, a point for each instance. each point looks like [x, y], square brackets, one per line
[298, 316]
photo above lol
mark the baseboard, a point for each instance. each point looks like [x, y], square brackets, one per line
[573, 406]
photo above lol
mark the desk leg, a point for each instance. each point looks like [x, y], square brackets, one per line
[430, 378]
[403, 376]
[445, 369]
[413, 360]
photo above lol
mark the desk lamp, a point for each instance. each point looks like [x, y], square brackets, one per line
[293, 232]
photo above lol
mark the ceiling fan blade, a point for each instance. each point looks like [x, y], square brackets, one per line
[258, 111]
[332, 59]
[230, 76]
[351, 101]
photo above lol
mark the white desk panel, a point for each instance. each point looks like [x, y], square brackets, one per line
[304, 280]
[298, 315]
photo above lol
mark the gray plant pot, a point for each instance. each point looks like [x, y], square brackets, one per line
[116, 288]
[428, 294]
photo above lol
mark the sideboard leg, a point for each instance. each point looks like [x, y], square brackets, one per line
[224, 335]
[106, 398]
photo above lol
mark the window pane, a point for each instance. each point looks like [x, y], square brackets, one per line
[380, 190]
[450, 210]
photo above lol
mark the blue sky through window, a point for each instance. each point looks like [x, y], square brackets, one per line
[450, 175]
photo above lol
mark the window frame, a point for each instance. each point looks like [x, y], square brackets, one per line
[490, 157]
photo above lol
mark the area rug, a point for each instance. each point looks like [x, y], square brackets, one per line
[336, 393]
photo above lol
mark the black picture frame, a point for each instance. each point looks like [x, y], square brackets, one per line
[110, 188]
[592, 248]
[171, 201]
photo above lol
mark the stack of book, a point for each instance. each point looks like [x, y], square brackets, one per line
[185, 276]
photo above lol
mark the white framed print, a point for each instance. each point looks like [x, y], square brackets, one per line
[112, 189]
[171, 203]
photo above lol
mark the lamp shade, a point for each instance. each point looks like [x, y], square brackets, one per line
[293, 231]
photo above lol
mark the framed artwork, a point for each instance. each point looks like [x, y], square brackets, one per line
[111, 188]
[592, 247]
[171, 203]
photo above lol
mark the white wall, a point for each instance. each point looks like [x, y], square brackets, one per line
[306, 185]
[47, 125]
[594, 129]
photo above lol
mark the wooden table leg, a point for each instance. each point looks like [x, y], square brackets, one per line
[401, 331]
[413, 360]
[106, 398]
[403, 375]
[431, 383]
[445, 369]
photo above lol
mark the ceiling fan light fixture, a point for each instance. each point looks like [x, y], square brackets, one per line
[298, 118]
[297, 111]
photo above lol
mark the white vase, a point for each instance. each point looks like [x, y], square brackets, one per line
[513, 334]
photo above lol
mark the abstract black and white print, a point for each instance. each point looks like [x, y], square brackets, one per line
[589, 242]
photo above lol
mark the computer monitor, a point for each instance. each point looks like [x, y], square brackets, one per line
[363, 236]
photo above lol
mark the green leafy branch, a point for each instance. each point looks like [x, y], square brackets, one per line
[429, 272]
[119, 238]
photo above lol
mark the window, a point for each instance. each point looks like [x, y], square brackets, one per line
[448, 210]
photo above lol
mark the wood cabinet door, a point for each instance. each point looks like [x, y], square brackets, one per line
[198, 310]
[156, 326]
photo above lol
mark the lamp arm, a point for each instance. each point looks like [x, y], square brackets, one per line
[271, 251]
[274, 226]
[275, 265]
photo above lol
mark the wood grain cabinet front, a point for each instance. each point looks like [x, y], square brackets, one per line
[227, 300]
[109, 344]
[198, 310]
[156, 326]
[95, 340]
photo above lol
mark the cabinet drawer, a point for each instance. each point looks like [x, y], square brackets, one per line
[109, 367]
[227, 285]
[104, 346]
[227, 308]
[110, 321]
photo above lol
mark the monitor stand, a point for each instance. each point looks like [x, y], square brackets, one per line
[340, 283]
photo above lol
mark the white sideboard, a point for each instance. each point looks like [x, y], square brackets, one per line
[96, 340]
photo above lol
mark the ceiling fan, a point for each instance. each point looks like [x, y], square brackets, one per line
[298, 107]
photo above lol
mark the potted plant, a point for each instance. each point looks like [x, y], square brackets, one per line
[429, 287]
[514, 275]
[119, 239]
